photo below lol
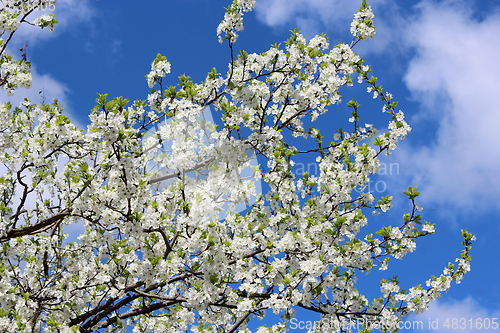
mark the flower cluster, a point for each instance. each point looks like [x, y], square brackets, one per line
[45, 21]
[8, 20]
[159, 68]
[362, 26]
[14, 74]
[233, 19]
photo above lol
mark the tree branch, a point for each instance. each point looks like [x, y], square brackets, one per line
[19, 232]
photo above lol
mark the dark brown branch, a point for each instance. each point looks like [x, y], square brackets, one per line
[139, 311]
[312, 308]
[245, 316]
[34, 318]
[95, 310]
[37, 227]
[168, 244]
[239, 322]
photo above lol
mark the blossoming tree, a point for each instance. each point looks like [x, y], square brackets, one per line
[160, 258]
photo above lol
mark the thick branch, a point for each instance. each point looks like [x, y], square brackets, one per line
[139, 311]
[96, 310]
[37, 227]
[108, 307]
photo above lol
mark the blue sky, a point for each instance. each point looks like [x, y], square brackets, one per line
[438, 58]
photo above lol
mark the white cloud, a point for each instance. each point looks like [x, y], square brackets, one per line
[308, 15]
[278, 12]
[466, 315]
[43, 85]
[68, 13]
[453, 75]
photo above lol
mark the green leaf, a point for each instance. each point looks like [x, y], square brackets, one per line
[4, 313]
[412, 192]
[155, 260]
[244, 54]
[353, 104]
